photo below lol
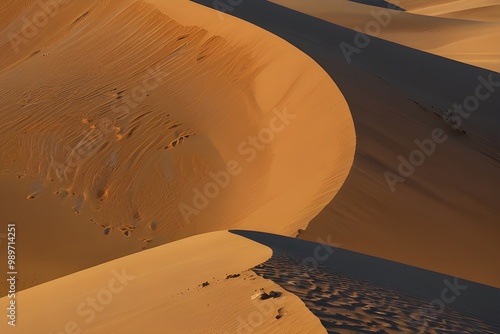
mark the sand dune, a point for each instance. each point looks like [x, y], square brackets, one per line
[151, 120]
[161, 291]
[133, 129]
[452, 37]
[398, 95]
[479, 10]
[354, 293]
[487, 13]
[202, 284]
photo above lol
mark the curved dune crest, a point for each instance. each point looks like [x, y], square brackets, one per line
[397, 95]
[185, 135]
[196, 285]
[161, 120]
[481, 9]
[138, 124]
[462, 31]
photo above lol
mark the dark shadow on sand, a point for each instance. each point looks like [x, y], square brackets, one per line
[366, 280]
[380, 3]
[431, 80]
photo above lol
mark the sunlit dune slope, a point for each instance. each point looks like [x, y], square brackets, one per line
[164, 119]
[442, 214]
[162, 291]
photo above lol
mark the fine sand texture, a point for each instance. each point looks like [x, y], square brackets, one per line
[254, 166]
[196, 285]
[441, 214]
[155, 121]
[354, 293]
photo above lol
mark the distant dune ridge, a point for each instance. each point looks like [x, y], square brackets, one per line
[464, 31]
[483, 10]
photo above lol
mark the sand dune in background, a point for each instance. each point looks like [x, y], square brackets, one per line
[397, 95]
[160, 291]
[454, 37]
[132, 124]
[129, 114]
[482, 10]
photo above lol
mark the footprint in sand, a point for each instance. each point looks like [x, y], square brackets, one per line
[127, 230]
[107, 230]
[37, 189]
[153, 225]
[281, 313]
[78, 203]
[61, 194]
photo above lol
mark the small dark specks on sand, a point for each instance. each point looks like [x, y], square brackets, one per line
[153, 225]
[271, 294]
[280, 313]
[232, 276]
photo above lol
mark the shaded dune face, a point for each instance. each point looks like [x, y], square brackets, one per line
[356, 293]
[158, 126]
[356, 306]
[464, 36]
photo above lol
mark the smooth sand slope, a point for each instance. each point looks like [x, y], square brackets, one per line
[466, 34]
[444, 216]
[161, 291]
[156, 121]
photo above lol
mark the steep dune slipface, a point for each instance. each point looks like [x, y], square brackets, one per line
[165, 119]
[443, 215]
[355, 293]
[479, 10]
[462, 31]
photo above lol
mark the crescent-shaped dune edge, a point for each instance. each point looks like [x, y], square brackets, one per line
[161, 161]
[145, 122]
[461, 30]
[192, 285]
